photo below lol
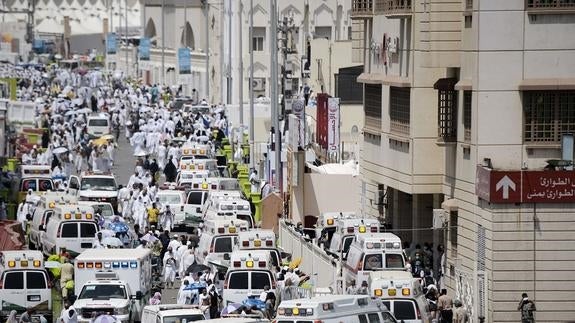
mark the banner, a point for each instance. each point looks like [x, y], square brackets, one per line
[111, 43]
[144, 49]
[333, 125]
[321, 120]
[298, 108]
[184, 61]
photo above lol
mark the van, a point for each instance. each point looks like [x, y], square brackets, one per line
[172, 313]
[24, 283]
[218, 240]
[373, 252]
[95, 186]
[98, 125]
[41, 216]
[72, 227]
[249, 272]
[260, 239]
[402, 294]
[37, 178]
[175, 197]
[235, 208]
[346, 231]
[192, 164]
[334, 309]
[326, 225]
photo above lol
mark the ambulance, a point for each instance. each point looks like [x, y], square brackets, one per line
[260, 239]
[198, 164]
[172, 313]
[233, 208]
[98, 125]
[249, 272]
[401, 294]
[24, 283]
[118, 283]
[218, 240]
[326, 225]
[72, 227]
[373, 252]
[346, 231]
[95, 186]
[333, 309]
[196, 151]
[175, 197]
[37, 178]
[42, 214]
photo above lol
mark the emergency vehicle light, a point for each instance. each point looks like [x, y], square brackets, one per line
[202, 152]
[186, 151]
[214, 186]
[245, 243]
[124, 264]
[249, 263]
[374, 229]
[89, 216]
[262, 264]
[98, 265]
[378, 292]
[52, 205]
[24, 263]
[116, 264]
[295, 311]
[258, 243]
[67, 216]
[107, 265]
[183, 167]
[89, 265]
[11, 263]
[78, 216]
[36, 263]
[269, 243]
[205, 186]
[80, 265]
[362, 229]
[349, 229]
[325, 306]
[193, 151]
[237, 263]
[133, 264]
[392, 292]
[232, 229]
[405, 291]
[329, 221]
[221, 230]
[201, 167]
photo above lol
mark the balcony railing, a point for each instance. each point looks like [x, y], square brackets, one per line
[550, 5]
[393, 7]
[362, 8]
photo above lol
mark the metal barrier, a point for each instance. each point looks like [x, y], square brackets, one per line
[321, 268]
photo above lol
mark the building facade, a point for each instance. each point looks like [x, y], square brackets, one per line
[465, 103]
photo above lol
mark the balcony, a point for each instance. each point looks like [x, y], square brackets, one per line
[550, 6]
[362, 9]
[394, 8]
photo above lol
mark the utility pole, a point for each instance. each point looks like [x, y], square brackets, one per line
[251, 87]
[229, 51]
[274, 90]
[241, 67]
[163, 74]
[207, 48]
[127, 40]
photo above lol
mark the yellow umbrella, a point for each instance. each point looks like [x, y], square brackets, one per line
[295, 263]
[99, 142]
[107, 137]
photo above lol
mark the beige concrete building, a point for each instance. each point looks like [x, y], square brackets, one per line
[464, 102]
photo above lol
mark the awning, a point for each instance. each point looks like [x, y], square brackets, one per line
[370, 78]
[450, 205]
[547, 84]
[378, 78]
[464, 85]
[445, 84]
[397, 81]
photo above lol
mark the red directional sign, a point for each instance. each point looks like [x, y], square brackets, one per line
[551, 186]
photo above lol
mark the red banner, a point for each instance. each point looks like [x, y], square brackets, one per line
[321, 120]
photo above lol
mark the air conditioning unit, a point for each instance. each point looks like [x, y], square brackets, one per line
[259, 84]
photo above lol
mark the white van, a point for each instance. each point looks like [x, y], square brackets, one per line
[218, 240]
[72, 227]
[24, 283]
[249, 272]
[234, 208]
[37, 178]
[346, 231]
[172, 313]
[193, 207]
[98, 125]
[373, 252]
[260, 239]
[95, 186]
[334, 309]
[42, 214]
[401, 294]
[326, 225]
[176, 199]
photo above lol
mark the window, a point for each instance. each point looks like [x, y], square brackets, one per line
[35, 280]
[548, 115]
[45, 185]
[260, 280]
[404, 310]
[362, 318]
[238, 280]
[97, 123]
[258, 37]
[29, 184]
[14, 280]
[453, 228]
[467, 96]
[394, 261]
[447, 108]
[387, 317]
[346, 243]
[373, 318]
[373, 262]
[88, 230]
[223, 244]
[372, 106]
[98, 184]
[399, 109]
[322, 32]
[47, 217]
[195, 198]
[69, 230]
[183, 318]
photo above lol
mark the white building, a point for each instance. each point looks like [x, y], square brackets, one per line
[450, 85]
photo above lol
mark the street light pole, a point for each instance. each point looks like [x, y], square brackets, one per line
[274, 90]
[126, 31]
[163, 74]
[251, 87]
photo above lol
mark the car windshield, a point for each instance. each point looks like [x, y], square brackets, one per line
[170, 199]
[98, 184]
[183, 318]
[229, 185]
[106, 291]
[97, 123]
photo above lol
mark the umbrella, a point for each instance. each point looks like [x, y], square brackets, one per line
[232, 307]
[84, 110]
[148, 238]
[196, 268]
[140, 153]
[112, 242]
[179, 139]
[52, 264]
[295, 263]
[60, 150]
[105, 319]
[99, 142]
[70, 113]
[107, 137]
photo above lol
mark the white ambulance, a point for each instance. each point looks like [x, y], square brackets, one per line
[230, 208]
[24, 283]
[249, 272]
[172, 313]
[326, 225]
[402, 295]
[72, 227]
[346, 231]
[218, 240]
[175, 197]
[373, 252]
[334, 309]
[95, 186]
[260, 239]
[195, 151]
[37, 178]
[42, 214]
[188, 164]
[117, 282]
[99, 124]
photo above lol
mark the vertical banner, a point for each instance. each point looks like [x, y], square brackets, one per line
[298, 109]
[144, 49]
[111, 43]
[184, 60]
[333, 126]
[321, 120]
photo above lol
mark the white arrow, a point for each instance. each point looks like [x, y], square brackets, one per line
[506, 183]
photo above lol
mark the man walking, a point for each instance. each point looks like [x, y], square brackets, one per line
[445, 305]
[526, 307]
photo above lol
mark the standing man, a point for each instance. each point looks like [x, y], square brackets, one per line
[444, 305]
[254, 181]
[527, 307]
